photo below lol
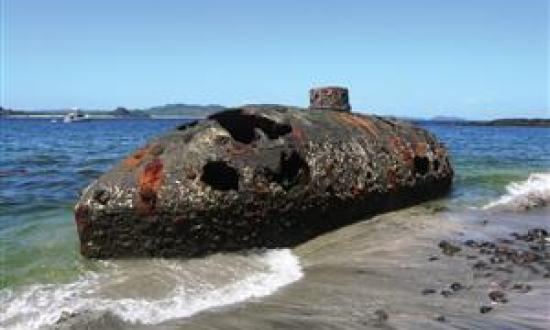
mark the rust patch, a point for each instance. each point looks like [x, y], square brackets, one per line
[136, 158]
[152, 175]
[421, 149]
[402, 150]
[141, 154]
[362, 123]
[149, 181]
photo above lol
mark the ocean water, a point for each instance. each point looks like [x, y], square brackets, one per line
[334, 281]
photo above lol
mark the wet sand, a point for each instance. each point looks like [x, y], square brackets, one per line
[390, 272]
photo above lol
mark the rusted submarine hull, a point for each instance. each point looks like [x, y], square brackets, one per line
[257, 177]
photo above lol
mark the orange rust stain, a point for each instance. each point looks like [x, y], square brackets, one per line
[149, 182]
[402, 150]
[135, 159]
[139, 156]
[356, 121]
[151, 176]
[421, 148]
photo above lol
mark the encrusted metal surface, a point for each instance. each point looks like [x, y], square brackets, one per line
[257, 177]
[332, 98]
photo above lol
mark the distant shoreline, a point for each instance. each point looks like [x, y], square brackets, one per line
[102, 117]
[544, 123]
[536, 122]
[196, 112]
[504, 122]
[168, 111]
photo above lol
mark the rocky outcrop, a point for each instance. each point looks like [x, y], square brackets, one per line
[257, 177]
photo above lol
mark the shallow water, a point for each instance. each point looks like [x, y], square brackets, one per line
[335, 281]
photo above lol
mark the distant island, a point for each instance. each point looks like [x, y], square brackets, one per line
[165, 111]
[194, 111]
[536, 122]
[184, 110]
[527, 122]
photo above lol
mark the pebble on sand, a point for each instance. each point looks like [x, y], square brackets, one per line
[381, 315]
[498, 297]
[485, 309]
[448, 248]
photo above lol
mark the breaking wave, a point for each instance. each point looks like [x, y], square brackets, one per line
[158, 291]
[531, 193]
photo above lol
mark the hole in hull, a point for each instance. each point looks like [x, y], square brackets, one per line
[220, 176]
[242, 127]
[421, 165]
[292, 169]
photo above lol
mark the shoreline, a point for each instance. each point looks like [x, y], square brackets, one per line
[504, 122]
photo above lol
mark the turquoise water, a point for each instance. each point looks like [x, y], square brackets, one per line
[486, 159]
[44, 165]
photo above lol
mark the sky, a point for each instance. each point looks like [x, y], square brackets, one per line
[475, 59]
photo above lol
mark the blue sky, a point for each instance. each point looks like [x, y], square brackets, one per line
[474, 59]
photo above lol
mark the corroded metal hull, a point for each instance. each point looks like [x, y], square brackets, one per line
[257, 177]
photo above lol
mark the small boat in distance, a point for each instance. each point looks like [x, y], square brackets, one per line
[75, 116]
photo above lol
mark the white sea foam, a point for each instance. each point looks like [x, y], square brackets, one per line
[531, 193]
[184, 288]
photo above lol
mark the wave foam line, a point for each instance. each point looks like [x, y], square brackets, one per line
[531, 193]
[41, 305]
